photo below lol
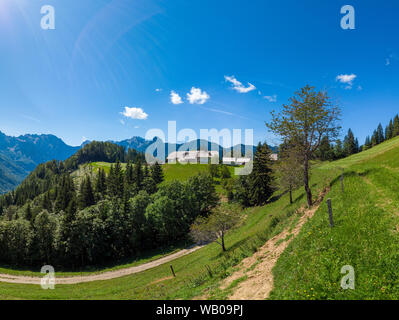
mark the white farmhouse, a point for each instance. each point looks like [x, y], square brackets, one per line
[193, 156]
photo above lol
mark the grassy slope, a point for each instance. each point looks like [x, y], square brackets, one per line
[172, 172]
[365, 235]
[181, 172]
[192, 278]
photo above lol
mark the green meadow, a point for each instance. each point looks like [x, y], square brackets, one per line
[365, 236]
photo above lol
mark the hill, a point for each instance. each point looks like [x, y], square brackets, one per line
[20, 155]
[365, 236]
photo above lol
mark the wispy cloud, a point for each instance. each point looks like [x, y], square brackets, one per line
[390, 58]
[197, 96]
[158, 89]
[175, 98]
[272, 98]
[346, 79]
[135, 113]
[30, 118]
[238, 86]
[223, 112]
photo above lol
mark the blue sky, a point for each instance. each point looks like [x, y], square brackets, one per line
[105, 55]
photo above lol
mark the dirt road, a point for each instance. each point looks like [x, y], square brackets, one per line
[259, 282]
[101, 276]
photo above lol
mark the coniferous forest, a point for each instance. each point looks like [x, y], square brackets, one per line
[52, 219]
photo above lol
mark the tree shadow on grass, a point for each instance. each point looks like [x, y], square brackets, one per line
[145, 255]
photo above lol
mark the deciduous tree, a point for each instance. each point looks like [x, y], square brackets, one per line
[308, 117]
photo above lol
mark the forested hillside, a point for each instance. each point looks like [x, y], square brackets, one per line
[48, 219]
[20, 155]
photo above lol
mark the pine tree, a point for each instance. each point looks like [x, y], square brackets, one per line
[28, 213]
[129, 177]
[380, 134]
[66, 192]
[390, 129]
[157, 173]
[325, 151]
[395, 126]
[338, 150]
[115, 181]
[138, 174]
[86, 196]
[367, 143]
[374, 138]
[350, 144]
[46, 203]
[261, 178]
[101, 183]
[149, 185]
[146, 172]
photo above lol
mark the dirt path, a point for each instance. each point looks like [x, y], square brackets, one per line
[101, 276]
[259, 282]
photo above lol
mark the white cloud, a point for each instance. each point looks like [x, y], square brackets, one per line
[392, 57]
[346, 79]
[175, 98]
[272, 98]
[135, 113]
[158, 89]
[197, 96]
[238, 86]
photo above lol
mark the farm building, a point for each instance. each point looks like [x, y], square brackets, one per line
[193, 156]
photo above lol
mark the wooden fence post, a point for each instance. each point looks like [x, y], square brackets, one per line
[173, 271]
[330, 213]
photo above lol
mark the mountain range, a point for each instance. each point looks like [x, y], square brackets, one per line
[20, 155]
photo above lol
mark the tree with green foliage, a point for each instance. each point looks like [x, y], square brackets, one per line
[374, 139]
[390, 130]
[325, 151]
[367, 144]
[28, 213]
[261, 177]
[380, 134]
[338, 150]
[225, 172]
[350, 146]
[46, 230]
[308, 117]
[395, 126]
[149, 185]
[101, 182]
[65, 193]
[213, 170]
[86, 195]
[138, 175]
[289, 169]
[157, 173]
[214, 227]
